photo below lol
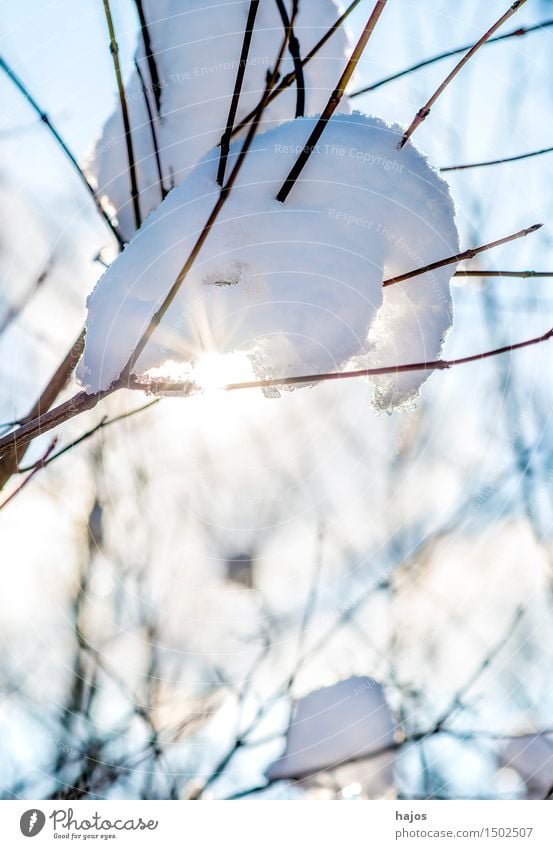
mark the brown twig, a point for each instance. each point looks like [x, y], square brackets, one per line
[498, 161]
[468, 254]
[114, 50]
[290, 78]
[295, 54]
[103, 423]
[333, 102]
[423, 113]
[520, 31]
[63, 145]
[150, 57]
[37, 467]
[233, 108]
[153, 132]
[476, 272]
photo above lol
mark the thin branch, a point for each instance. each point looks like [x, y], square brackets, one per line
[476, 272]
[520, 31]
[114, 50]
[333, 102]
[15, 311]
[63, 145]
[9, 459]
[423, 113]
[233, 108]
[498, 161]
[103, 423]
[161, 387]
[150, 57]
[153, 133]
[223, 195]
[295, 54]
[290, 78]
[37, 467]
[468, 254]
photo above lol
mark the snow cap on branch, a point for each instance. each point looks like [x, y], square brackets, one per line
[296, 287]
[328, 727]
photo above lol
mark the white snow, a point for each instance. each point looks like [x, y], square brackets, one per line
[531, 755]
[197, 48]
[328, 727]
[295, 286]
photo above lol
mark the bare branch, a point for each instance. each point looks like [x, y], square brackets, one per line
[468, 254]
[295, 53]
[38, 466]
[114, 50]
[63, 145]
[498, 161]
[150, 57]
[520, 31]
[477, 272]
[333, 102]
[233, 108]
[155, 143]
[423, 113]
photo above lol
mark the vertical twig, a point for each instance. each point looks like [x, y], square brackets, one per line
[155, 143]
[150, 57]
[333, 102]
[226, 137]
[288, 80]
[295, 54]
[114, 50]
[44, 117]
[423, 113]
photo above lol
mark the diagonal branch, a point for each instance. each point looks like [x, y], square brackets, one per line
[498, 161]
[114, 50]
[46, 120]
[233, 108]
[423, 113]
[468, 254]
[520, 31]
[150, 57]
[478, 272]
[333, 102]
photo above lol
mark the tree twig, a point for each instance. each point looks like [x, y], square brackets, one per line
[477, 272]
[497, 161]
[153, 132]
[423, 113]
[37, 467]
[468, 254]
[295, 54]
[333, 102]
[150, 56]
[46, 120]
[114, 50]
[233, 108]
[520, 31]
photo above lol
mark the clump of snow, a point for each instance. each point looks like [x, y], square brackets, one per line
[295, 286]
[531, 756]
[197, 49]
[328, 727]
